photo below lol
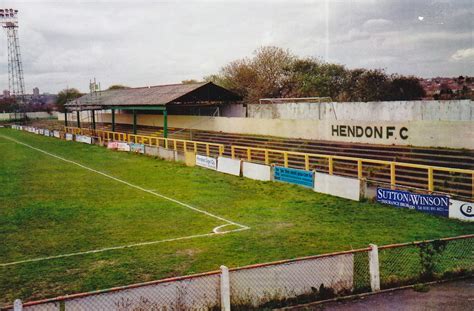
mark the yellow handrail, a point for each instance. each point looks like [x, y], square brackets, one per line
[158, 141]
[147, 140]
[247, 154]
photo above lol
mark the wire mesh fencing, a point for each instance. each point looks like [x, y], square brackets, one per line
[298, 281]
[199, 292]
[408, 264]
[287, 282]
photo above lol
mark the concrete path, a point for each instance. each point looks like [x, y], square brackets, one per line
[452, 296]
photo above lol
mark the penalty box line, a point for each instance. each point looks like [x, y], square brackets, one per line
[230, 222]
[100, 250]
[215, 231]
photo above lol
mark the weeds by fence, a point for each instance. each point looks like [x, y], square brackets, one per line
[283, 283]
[286, 282]
[406, 264]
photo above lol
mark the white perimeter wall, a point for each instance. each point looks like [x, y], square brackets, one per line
[339, 186]
[430, 110]
[449, 134]
[31, 115]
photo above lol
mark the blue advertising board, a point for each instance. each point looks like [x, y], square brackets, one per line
[294, 176]
[138, 148]
[427, 203]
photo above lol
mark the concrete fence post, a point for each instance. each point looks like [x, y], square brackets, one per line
[225, 289]
[374, 268]
[17, 305]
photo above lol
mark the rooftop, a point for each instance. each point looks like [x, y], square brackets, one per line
[203, 93]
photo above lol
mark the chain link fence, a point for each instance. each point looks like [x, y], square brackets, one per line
[285, 283]
[197, 292]
[408, 264]
[298, 281]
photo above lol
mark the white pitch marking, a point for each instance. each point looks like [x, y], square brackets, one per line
[242, 227]
[118, 247]
[127, 183]
[216, 229]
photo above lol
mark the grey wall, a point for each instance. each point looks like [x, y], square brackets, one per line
[31, 115]
[449, 134]
[233, 110]
[455, 110]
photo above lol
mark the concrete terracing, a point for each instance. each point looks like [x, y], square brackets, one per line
[409, 177]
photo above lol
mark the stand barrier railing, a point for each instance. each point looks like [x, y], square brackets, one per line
[432, 178]
[169, 143]
[365, 167]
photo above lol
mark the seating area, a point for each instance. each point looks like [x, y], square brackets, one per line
[460, 184]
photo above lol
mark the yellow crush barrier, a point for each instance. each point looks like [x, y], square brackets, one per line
[176, 144]
[249, 152]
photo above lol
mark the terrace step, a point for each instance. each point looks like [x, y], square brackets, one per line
[453, 158]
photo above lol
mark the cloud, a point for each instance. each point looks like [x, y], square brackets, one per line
[378, 24]
[146, 42]
[463, 55]
[355, 34]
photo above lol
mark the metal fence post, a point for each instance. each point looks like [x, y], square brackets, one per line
[430, 179]
[330, 165]
[17, 305]
[225, 289]
[374, 268]
[393, 177]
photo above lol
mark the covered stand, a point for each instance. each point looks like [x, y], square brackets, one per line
[175, 98]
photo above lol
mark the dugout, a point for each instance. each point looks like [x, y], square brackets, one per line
[203, 99]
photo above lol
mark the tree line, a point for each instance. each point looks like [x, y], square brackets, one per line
[69, 94]
[273, 72]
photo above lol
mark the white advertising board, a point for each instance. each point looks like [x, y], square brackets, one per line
[151, 150]
[207, 162]
[84, 139]
[112, 145]
[123, 147]
[461, 210]
[228, 166]
[166, 154]
[344, 187]
[46, 132]
[256, 171]
[69, 136]
[56, 134]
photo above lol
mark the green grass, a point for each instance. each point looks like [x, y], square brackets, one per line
[49, 207]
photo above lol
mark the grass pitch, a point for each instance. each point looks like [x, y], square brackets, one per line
[52, 208]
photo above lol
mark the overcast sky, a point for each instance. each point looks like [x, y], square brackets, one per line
[139, 43]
